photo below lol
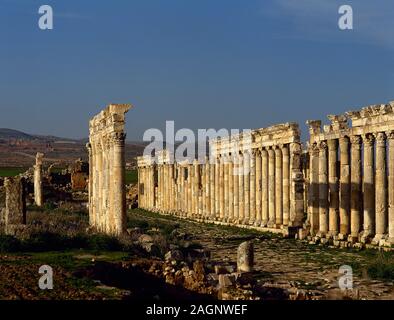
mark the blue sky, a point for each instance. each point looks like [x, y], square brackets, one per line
[203, 63]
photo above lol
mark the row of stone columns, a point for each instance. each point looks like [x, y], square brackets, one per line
[348, 197]
[250, 188]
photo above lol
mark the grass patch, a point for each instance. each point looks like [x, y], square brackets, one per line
[11, 171]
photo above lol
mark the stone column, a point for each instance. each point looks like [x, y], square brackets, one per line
[390, 136]
[90, 184]
[15, 203]
[333, 220]
[278, 188]
[221, 190]
[217, 188]
[258, 189]
[314, 189]
[380, 188]
[296, 186]
[118, 182]
[226, 188]
[207, 189]
[323, 190]
[246, 187]
[344, 207]
[252, 218]
[286, 185]
[231, 190]
[356, 183]
[271, 188]
[196, 188]
[212, 190]
[99, 188]
[241, 189]
[264, 187]
[38, 180]
[236, 188]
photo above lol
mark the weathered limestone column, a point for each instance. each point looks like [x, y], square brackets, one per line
[286, 185]
[271, 188]
[264, 187]
[231, 189]
[241, 189]
[217, 188]
[236, 187]
[323, 190]
[226, 188]
[99, 188]
[258, 189]
[278, 188]
[196, 188]
[390, 136]
[296, 186]
[118, 208]
[380, 188]
[356, 183]
[221, 190]
[38, 197]
[252, 218]
[207, 188]
[314, 189]
[15, 204]
[190, 174]
[333, 220]
[212, 190]
[90, 184]
[246, 187]
[344, 207]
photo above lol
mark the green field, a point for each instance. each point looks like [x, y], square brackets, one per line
[11, 172]
[131, 176]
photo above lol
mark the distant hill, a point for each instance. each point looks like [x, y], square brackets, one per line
[6, 134]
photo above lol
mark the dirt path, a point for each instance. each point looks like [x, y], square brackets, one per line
[290, 262]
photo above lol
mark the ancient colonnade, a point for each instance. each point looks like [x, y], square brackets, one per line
[351, 177]
[107, 195]
[254, 180]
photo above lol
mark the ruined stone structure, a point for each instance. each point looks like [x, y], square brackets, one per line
[351, 177]
[79, 175]
[252, 180]
[338, 190]
[38, 192]
[15, 204]
[107, 195]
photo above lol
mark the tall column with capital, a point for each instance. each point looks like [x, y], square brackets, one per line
[278, 188]
[344, 207]
[252, 218]
[356, 183]
[226, 187]
[264, 187]
[258, 189]
[380, 188]
[90, 183]
[247, 157]
[221, 189]
[286, 184]
[99, 163]
[236, 187]
[241, 175]
[118, 182]
[323, 189]
[217, 188]
[314, 189]
[333, 214]
[231, 189]
[212, 190]
[271, 188]
[390, 136]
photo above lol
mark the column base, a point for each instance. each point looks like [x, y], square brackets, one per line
[257, 223]
[352, 238]
[378, 239]
[342, 236]
[263, 223]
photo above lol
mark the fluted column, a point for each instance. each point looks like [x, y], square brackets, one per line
[333, 221]
[390, 136]
[314, 189]
[252, 195]
[207, 189]
[118, 182]
[286, 185]
[344, 207]
[241, 189]
[278, 188]
[212, 190]
[38, 198]
[380, 188]
[231, 189]
[196, 188]
[226, 188]
[264, 187]
[236, 187]
[356, 183]
[271, 188]
[247, 157]
[221, 191]
[217, 188]
[323, 189]
[258, 189]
